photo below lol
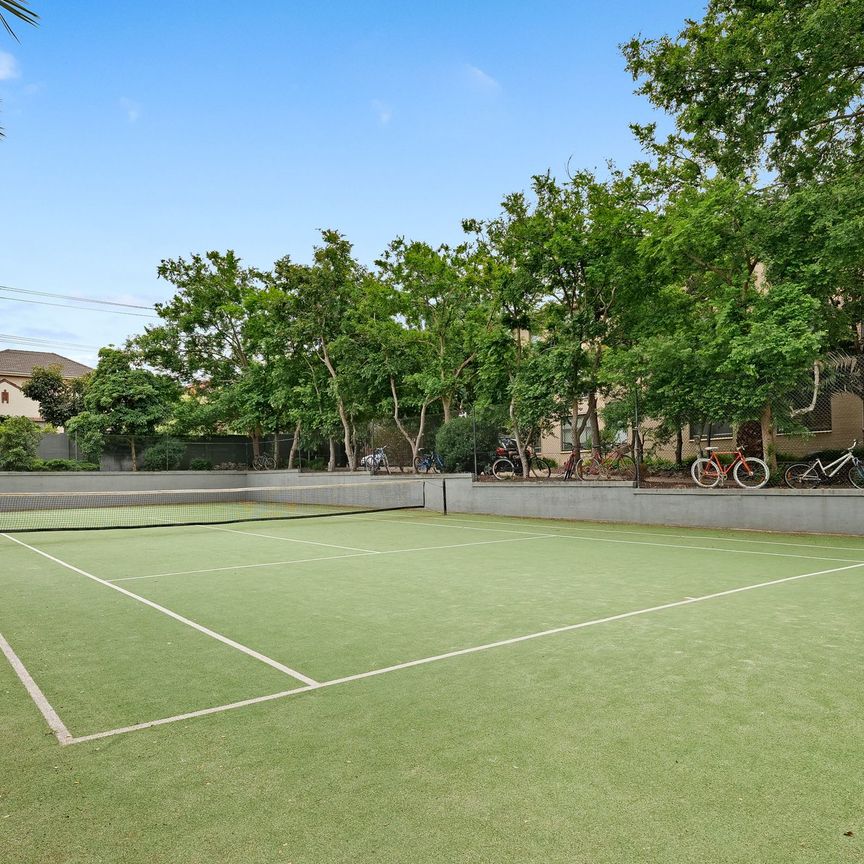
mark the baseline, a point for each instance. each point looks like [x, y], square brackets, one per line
[458, 653]
[177, 617]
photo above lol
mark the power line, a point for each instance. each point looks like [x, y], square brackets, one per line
[79, 308]
[77, 299]
[44, 343]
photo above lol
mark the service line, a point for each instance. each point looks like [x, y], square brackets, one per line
[451, 654]
[334, 557]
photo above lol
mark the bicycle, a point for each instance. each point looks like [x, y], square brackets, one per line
[508, 466]
[262, 462]
[428, 461]
[375, 461]
[568, 469]
[749, 472]
[809, 475]
[616, 463]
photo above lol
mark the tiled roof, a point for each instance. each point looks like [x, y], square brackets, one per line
[14, 362]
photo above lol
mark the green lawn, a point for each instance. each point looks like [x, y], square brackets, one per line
[728, 729]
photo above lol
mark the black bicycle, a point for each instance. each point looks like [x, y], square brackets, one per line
[428, 462]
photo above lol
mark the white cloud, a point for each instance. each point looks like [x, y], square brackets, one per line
[132, 109]
[383, 111]
[8, 67]
[480, 80]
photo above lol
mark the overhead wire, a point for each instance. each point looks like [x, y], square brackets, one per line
[73, 297]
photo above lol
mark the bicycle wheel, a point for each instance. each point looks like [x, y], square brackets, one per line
[754, 478]
[705, 473]
[421, 465]
[624, 468]
[592, 468]
[503, 469]
[801, 476]
[539, 468]
[856, 475]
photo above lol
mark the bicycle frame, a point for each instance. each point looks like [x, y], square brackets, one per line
[726, 469]
[832, 468]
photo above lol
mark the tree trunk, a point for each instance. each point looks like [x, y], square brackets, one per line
[769, 441]
[331, 464]
[132, 450]
[255, 435]
[445, 404]
[413, 443]
[679, 445]
[520, 445]
[295, 444]
[594, 422]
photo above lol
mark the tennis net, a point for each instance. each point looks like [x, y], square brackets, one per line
[69, 511]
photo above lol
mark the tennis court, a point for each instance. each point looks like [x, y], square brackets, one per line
[407, 686]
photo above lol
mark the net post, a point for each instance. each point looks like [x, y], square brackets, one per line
[444, 497]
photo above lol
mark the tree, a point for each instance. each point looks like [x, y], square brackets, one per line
[756, 336]
[317, 312]
[761, 83]
[204, 340]
[58, 398]
[122, 400]
[444, 305]
[19, 438]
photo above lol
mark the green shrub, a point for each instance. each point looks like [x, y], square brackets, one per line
[455, 443]
[165, 455]
[201, 465]
[63, 465]
[19, 438]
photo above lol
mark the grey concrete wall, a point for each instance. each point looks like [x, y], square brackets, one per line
[828, 511]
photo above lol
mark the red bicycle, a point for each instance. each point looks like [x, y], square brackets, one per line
[748, 471]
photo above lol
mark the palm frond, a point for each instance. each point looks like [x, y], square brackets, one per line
[19, 10]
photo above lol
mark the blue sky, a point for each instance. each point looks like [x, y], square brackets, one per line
[136, 133]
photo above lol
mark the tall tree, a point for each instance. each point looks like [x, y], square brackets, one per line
[776, 84]
[204, 339]
[122, 400]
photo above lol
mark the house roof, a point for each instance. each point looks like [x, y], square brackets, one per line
[13, 362]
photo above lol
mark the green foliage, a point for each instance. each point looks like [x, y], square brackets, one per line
[200, 465]
[756, 83]
[63, 465]
[164, 455]
[121, 400]
[58, 399]
[455, 443]
[19, 438]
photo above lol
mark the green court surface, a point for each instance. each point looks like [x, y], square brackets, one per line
[411, 687]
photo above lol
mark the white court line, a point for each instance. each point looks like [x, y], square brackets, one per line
[64, 736]
[165, 611]
[460, 653]
[329, 558]
[288, 539]
[660, 533]
[609, 540]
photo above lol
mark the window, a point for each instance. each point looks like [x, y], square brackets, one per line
[4, 397]
[567, 433]
[710, 430]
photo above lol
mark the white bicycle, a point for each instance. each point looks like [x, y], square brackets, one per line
[809, 475]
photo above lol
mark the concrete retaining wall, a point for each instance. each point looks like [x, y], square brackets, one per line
[824, 511]
[813, 512]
